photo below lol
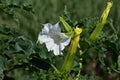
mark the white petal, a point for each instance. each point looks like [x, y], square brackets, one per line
[56, 27]
[53, 38]
[65, 41]
[47, 28]
[50, 44]
[63, 44]
[43, 38]
[57, 50]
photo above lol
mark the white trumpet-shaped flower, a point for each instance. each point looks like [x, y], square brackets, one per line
[53, 38]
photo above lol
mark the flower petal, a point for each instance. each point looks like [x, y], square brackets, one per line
[56, 27]
[57, 50]
[47, 28]
[65, 41]
[53, 38]
[43, 38]
[50, 44]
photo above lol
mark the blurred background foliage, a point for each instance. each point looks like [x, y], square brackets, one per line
[44, 11]
[27, 16]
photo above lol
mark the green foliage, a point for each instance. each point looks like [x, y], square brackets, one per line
[87, 78]
[102, 53]
[15, 53]
[22, 59]
[119, 62]
[2, 66]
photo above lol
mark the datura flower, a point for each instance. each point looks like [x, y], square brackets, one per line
[53, 38]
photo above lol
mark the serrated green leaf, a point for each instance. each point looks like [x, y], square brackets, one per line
[43, 52]
[8, 31]
[25, 45]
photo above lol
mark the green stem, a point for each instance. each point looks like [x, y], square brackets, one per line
[56, 70]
